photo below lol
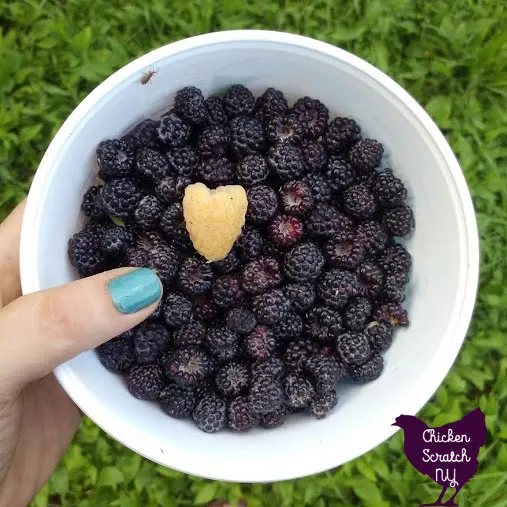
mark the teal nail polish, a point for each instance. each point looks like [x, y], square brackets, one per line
[135, 290]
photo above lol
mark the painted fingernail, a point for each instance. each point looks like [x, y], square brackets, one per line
[135, 290]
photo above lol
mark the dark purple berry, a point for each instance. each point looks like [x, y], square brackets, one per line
[247, 136]
[272, 104]
[177, 310]
[274, 419]
[92, 204]
[285, 129]
[240, 415]
[344, 254]
[115, 239]
[297, 353]
[172, 131]
[147, 213]
[238, 101]
[324, 372]
[304, 262]
[178, 401]
[260, 344]
[323, 324]
[388, 189]
[190, 335]
[183, 161]
[395, 259]
[313, 114]
[172, 188]
[314, 155]
[353, 348]
[266, 394]
[250, 244]
[172, 225]
[380, 335]
[210, 414]
[187, 366]
[337, 286]
[229, 264]
[270, 307]
[252, 170]
[285, 231]
[356, 313]
[150, 341]
[216, 112]
[322, 404]
[301, 296]
[297, 198]
[117, 355]
[372, 236]
[205, 309]
[145, 382]
[325, 221]
[286, 162]
[213, 141]
[399, 221]
[153, 252]
[151, 164]
[359, 202]
[370, 277]
[216, 170]
[189, 105]
[369, 371]
[144, 134]
[232, 379]
[289, 327]
[115, 158]
[340, 174]
[393, 313]
[262, 204]
[222, 343]
[241, 320]
[272, 367]
[86, 254]
[365, 155]
[393, 288]
[195, 276]
[319, 187]
[120, 197]
[261, 275]
[298, 390]
[341, 134]
[227, 291]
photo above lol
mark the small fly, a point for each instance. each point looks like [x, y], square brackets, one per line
[147, 77]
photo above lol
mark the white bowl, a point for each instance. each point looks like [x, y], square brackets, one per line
[444, 249]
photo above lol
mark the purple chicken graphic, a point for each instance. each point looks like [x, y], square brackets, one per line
[447, 454]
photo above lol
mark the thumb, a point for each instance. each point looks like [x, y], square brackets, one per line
[43, 329]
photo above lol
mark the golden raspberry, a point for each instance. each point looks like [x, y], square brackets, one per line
[214, 218]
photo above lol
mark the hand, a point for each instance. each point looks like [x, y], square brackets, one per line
[37, 333]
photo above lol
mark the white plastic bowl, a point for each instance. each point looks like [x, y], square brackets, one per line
[444, 249]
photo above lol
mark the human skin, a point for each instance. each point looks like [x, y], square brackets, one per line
[38, 332]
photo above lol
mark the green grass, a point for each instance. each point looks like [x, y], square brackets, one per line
[450, 54]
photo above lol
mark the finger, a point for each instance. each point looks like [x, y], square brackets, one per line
[41, 330]
[10, 230]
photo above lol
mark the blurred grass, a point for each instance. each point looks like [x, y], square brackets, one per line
[450, 54]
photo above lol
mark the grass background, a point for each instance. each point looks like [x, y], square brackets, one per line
[450, 54]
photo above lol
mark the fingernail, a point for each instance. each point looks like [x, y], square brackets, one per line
[135, 290]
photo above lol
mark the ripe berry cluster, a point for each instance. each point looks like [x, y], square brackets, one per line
[311, 292]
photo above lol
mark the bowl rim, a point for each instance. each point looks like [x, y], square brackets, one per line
[439, 368]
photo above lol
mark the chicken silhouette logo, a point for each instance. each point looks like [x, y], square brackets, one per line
[447, 454]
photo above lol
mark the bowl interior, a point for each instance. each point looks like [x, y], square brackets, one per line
[420, 356]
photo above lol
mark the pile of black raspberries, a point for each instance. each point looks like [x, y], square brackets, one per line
[311, 292]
